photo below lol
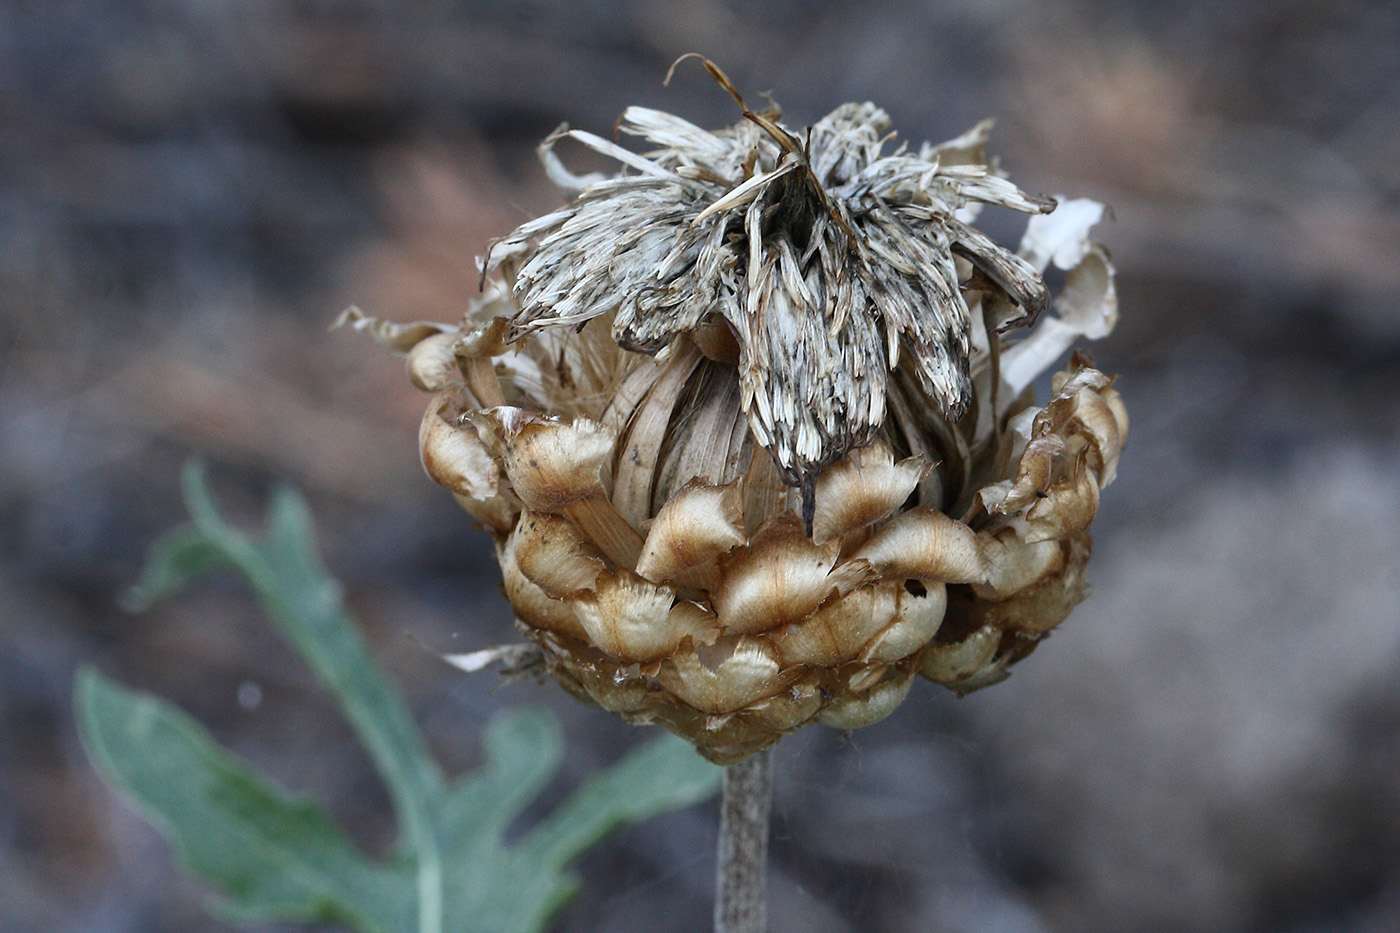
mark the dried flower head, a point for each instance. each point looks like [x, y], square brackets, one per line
[826, 261]
[748, 432]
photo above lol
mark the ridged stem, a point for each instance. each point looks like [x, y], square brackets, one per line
[741, 889]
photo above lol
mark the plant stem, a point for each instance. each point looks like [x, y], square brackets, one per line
[741, 890]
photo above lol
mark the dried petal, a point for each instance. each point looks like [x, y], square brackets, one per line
[533, 605]
[432, 365]
[1067, 507]
[918, 615]
[1013, 563]
[608, 530]
[657, 391]
[855, 711]
[498, 513]
[797, 704]
[1088, 305]
[1035, 609]
[588, 674]
[397, 337]
[1073, 452]
[839, 631]
[1061, 237]
[551, 465]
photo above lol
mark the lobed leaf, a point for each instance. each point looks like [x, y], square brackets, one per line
[273, 856]
[278, 857]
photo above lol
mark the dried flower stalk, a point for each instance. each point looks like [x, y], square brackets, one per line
[751, 434]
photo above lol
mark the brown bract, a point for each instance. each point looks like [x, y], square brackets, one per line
[695, 536]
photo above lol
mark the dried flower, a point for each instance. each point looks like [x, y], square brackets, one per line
[744, 424]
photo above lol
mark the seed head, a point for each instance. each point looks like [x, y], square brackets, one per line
[750, 434]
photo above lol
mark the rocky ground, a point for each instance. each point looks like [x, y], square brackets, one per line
[189, 193]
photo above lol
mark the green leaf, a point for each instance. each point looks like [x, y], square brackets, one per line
[177, 559]
[522, 749]
[280, 858]
[663, 775]
[304, 602]
[275, 856]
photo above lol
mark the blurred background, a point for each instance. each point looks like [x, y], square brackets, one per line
[190, 192]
